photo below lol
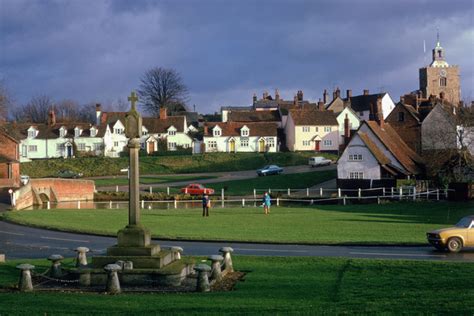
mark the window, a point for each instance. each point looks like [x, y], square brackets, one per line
[270, 142]
[443, 82]
[245, 132]
[327, 128]
[62, 132]
[81, 146]
[327, 143]
[118, 131]
[306, 129]
[171, 146]
[212, 144]
[32, 148]
[355, 157]
[217, 132]
[356, 175]
[116, 144]
[144, 132]
[59, 147]
[317, 129]
[244, 143]
[77, 132]
[31, 134]
[401, 116]
[306, 143]
[440, 54]
[98, 146]
[172, 132]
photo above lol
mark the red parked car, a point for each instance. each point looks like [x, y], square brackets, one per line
[196, 189]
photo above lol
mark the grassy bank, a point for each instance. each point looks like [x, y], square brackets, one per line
[149, 180]
[393, 223]
[210, 162]
[279, 285]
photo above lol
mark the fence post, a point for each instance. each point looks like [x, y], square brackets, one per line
[269, 190]
[116, 188]
[360, 193]
[378, 200]
[151, 189]
[110, 204]
[48, 205]
[312, 202]
[391, 191]
[175, 204]
[278, 201]
[437, 194]
[289, 192]
[168, 190]
[254, 193]
[344, 200]
[446, 193]
[243, 202]
[307, 191]
[401, 193]
[78, 205]
[321, 192]
[143, 203]
[383, 191]
[339, 193]
[414, 193]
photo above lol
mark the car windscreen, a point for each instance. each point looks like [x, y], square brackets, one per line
[464, 223]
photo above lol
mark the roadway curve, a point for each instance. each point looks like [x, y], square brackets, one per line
[18, 242]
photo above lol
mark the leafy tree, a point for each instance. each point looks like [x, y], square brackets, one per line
[162, 88]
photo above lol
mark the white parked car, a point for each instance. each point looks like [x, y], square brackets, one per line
[319, 161]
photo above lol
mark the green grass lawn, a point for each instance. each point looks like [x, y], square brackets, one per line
[391, 223]
[210, 162]
[283, 181]
[278, 286]
[149, 180]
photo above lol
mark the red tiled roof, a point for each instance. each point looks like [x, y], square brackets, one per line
[378, 154]
[254, 116]
[158, 126]
[313, 117]
[255, 129]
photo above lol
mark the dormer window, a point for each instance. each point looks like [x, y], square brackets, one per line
[32, 133]
[216, 132]
[172, 131]
[62, 132]
[93, 132]
[244, 132]
[144, 131]
[118, 131]
[77, 132]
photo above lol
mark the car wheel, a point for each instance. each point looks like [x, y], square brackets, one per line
[454, 244]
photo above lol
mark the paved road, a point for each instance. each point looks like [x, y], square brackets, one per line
[221, 176]
[25, 242]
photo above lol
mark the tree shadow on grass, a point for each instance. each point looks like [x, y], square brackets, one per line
[442, 213]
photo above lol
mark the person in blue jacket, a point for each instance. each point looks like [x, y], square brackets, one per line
[267, 202]
[206, 203]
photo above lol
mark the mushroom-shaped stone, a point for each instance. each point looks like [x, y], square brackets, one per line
[81, 259]
[113, 284]
[216, 272]
[25, 284]
[55, 271]
[203, 279]
[177, 251]
[227, 265]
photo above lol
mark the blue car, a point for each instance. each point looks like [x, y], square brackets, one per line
[269, 170]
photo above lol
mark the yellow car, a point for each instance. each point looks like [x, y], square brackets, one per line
[454, 238]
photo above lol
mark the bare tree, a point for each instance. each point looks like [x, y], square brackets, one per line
[5, 102]
[35, 111]
[162, 88]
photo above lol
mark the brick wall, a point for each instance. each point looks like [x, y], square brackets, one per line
[8, 147]
[67, 189]
[409, 129]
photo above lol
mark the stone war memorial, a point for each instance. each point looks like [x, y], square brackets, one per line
[135, 261]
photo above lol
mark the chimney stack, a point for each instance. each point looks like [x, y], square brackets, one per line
[379, 114]
[366, 91]
[295, 100]
[347, 132]
[206, 129]
[402, 99]
[163, 114]
[265, 95]
[349, 94]
[441, 96]
[254, 98]
[277, 95]
[300, 95]
[325, 96]
[334, 95]
[338, 92]
[51, 118]
[321, 105]
[98, 112]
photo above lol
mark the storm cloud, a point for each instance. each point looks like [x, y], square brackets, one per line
[96, 51]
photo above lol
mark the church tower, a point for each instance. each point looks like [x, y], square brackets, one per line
[440, 79]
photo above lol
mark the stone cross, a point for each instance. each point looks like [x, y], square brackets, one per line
[133, 131]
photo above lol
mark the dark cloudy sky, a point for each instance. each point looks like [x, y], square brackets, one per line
[97, 50]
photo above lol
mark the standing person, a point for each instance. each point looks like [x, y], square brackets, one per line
[206, 203]
[267, 202]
